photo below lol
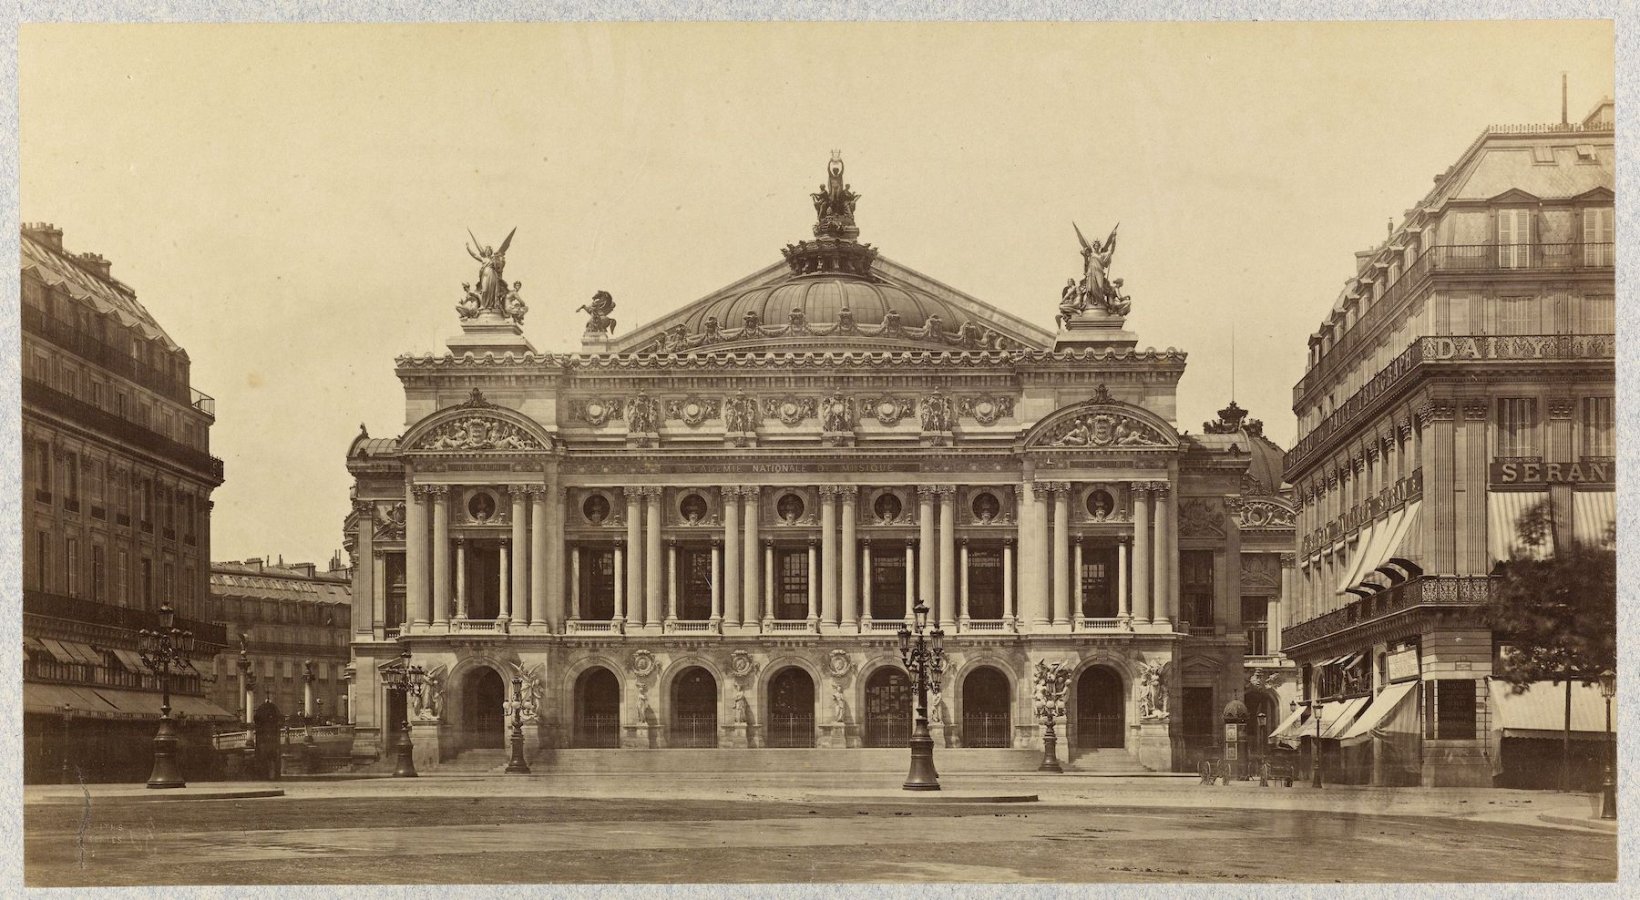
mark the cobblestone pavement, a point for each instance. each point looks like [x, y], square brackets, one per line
[712, 828]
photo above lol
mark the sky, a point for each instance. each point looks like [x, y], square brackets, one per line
[291, 201]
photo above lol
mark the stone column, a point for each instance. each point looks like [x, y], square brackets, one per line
[1280, 606]
[1124, 600]
[521, 526]
[752, 496]
[461, 579]
[1039, 574]
[1144, 609]
[417, 580]
[814, 588]
[731, 556]
[1025, 506]
[1061, 554]
[671, 583]
[378, 564]
[1008, 614]
[367, 610]
[910, 581]
[504, 609]
[654, 565]
[848, 557]
[1078, 589]
[828, 558]
[634, 557]
[865, 585]
[768, 585]
[441, 556]
[574, 585]
[546, 603]
[962, 578]
[1232, 567]
[1162, 554]
[928, 556]
[620, 585]
[717, 586]
[947, 611]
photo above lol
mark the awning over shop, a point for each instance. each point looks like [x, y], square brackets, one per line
[1540, 712]
[1393, 539]
[1336, 717]
[1356, 551]
[1384, 715]
[113, 703]
[1593, 514]
[200, 708]
[130, 660]
[50, 699]
[1287, 733]
[1504, 510]
[86, 653]
[59, 652]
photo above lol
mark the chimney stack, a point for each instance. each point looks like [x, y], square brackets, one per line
[46, 233]
[94, 263]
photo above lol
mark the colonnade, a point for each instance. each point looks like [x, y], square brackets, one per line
[533, 569]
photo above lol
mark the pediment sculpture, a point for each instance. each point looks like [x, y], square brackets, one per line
[1103, 429]
[478, 432]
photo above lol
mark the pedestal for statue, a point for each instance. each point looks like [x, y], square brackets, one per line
[1095, 331]
[639, 737]
[1153, 746]
[737, 736]
[835, 736]
[424, 740]
[489, 333]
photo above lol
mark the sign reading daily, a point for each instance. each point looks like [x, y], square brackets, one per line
[1537, 474]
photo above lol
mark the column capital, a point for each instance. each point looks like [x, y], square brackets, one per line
[1139, 488]
[1289, 560]
[1007, 542]
[1019, 492]
[827, 492]
[1161, 489]
[729, 490]
[848, 490]
[1060, 487]
[926, 492]
[813, 542]
[378, 552]
[672, 543]
[1042, 489]
[751, 491]
[459, 540]
[364, 507]
[518, 491]
[1124, 539]
[649, 490]
[505, 543]
[946, 491]
[563, 492]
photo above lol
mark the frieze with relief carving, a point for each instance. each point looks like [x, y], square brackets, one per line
[594, 411]
[1201, 518]
[791, 411]
[985, 408]
[887, 410]
[1100, 429]
[692, 410]
[1255, 514]
[1260, 573]
[477, 432]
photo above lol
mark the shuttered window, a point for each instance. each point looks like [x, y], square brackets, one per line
[1514, 238]
[1599, 426]
[1518, 427]
[1597, 236]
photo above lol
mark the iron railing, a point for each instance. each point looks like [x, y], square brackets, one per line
[597, 731]
[78, 609]
[1094, 732]
[987, 730]
[693, 731]
[887, 731]
[1472, 591]
[790, 730]
[56, 403]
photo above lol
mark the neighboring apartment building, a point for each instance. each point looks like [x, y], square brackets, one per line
[1465, 375]
[285, 616]
[116, 516]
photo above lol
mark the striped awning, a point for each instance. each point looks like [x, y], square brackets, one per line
[1593, 515]
[1380, 715]
[1358, 552]
[1504, 510]
[1337, 717]
[1288, 732]
[1540, 711]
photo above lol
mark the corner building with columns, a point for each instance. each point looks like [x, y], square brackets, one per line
[706, 531]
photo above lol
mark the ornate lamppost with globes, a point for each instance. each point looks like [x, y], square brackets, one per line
[1315, 749]
[516, 708]
[1051, 681]
[1608, 787]
[924, 659]
[310, 749]
[162, 650]
[400, 677]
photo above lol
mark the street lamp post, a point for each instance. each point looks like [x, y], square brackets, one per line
[400, 677]
[1315, 752]
[1608, 789]
[1051, 682]
[162, 650]
[1262, 740]
[516, 707]
[68, 710]
[924, 659]
[310, 749]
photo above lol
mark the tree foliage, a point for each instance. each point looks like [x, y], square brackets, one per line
[1558, 614]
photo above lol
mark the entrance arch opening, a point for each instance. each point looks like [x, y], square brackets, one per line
[1100, 709]
[985, 709]
[888, 709]
[597, 709]
[791, 709]
[694, 709]
[483, 718]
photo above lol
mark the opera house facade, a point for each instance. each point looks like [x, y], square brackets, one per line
[706, 531]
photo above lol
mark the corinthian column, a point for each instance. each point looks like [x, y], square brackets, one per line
[546, 602]
[461, 579]
[1124, 597]
[441, 556]
[751, 495]
[654, 564]
[1143, 565]
[520, 555]
[634, 557]
[927, 554]
[1061, 553]
[504, 608]
[418, 590]
[947, 611]
[1162, 561]
[731, 556]
[828, 558]
[848, 555]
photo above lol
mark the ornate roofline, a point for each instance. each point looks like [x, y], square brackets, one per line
[862, 359]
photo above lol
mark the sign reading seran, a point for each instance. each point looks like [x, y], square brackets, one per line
[1541, 473]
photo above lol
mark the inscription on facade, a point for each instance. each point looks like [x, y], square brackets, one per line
[1536, 474]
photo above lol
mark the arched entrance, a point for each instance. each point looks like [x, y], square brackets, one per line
[483, 718]
[597, 709]
[791, 709]
[694, 709]
[1100, 709]
[985, 718]
[888, 708]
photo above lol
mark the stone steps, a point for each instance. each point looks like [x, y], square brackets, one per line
[776, 761]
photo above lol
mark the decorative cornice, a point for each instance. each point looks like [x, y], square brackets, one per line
[547, 363]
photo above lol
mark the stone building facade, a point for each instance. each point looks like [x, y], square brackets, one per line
[289, 619]
[116, 519]
[707, 531]
[1465, 375]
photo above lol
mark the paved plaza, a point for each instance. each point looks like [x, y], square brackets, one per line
[817, 828]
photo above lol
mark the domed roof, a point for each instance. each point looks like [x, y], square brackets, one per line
[834, 294]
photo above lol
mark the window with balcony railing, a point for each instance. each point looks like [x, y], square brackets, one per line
[791, 600]
[1598, 234]
[984, 583]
